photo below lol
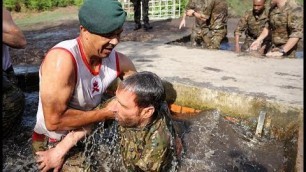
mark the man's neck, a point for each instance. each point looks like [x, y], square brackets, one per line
[149, 121]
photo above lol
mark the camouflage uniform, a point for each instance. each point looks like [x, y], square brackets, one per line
[217, 13]
[200, 27]
[151, 148]
[13, 101]
[285, 23]
[252, 25]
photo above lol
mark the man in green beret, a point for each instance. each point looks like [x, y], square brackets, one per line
[75, 73]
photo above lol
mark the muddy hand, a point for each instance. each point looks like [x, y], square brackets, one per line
[255, 45]
[49, 159]
[275, 54]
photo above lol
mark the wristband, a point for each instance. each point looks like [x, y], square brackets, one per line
[282, 51]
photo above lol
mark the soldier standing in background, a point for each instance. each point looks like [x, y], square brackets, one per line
[286, 24]
[145, 14]
[212, 14]
[252, 23]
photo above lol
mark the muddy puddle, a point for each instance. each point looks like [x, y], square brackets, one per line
[211, 140]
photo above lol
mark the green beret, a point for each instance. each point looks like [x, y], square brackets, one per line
[101, 16]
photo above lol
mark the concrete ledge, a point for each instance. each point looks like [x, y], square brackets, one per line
[283, 118]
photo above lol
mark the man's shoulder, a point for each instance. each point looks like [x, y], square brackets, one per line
[67, 43]
[295, 8]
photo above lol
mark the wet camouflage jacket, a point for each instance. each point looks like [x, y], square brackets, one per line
[285, 23]
[217, 13]
[252, 25]
[148, 149]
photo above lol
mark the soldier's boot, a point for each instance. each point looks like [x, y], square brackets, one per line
[147, 26]
[137, 13]
[137, 26]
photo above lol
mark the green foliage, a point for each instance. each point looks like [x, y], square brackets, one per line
[183, 5]
[45, 5]
[39, 5]
[78, 2]
[9, 4]
[238, 7]
[301, 2]
[62, 3]
[31, 4]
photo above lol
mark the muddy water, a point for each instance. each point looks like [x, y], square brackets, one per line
[228, 45]
[210, 141]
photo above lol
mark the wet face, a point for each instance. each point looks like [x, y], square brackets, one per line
[258, 6]
[127, 113]
[102, 45]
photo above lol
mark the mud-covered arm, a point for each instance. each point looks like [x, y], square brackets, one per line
[54, 158]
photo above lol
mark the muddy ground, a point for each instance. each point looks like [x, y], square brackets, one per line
[43, 36]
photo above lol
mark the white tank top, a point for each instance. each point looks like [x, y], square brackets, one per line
[6, 58]
[89, 85]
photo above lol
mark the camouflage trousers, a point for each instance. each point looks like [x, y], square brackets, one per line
[207, 38]
[13, 101]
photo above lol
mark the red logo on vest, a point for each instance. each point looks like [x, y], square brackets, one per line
[95, 87]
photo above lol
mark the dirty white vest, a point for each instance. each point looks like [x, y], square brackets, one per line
[89, 85]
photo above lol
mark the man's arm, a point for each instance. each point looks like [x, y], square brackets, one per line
[56, 88]
[183, 21]
[287, 47]
[11, 33]
[54, 157]
[257, 43]
[241, 27]
[127, 67]
[196, 14]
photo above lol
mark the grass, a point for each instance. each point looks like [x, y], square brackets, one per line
[238, 7]
[24, 20]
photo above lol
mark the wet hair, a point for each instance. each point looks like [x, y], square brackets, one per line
[148, 88]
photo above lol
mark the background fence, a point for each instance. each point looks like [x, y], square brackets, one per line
[158, 9]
